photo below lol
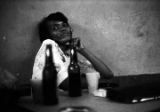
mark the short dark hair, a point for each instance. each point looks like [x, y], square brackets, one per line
[43, 27]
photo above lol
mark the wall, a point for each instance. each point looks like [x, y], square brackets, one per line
[124, 33]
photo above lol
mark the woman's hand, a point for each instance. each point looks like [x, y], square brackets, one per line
[77, 44]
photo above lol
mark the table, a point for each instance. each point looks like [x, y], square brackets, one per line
[98, 104]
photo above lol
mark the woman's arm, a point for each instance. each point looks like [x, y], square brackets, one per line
[101, 67]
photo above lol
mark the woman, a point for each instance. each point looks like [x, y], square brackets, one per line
[55, 29]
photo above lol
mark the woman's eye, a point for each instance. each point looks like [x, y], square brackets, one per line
[64, 25]
[55, 27]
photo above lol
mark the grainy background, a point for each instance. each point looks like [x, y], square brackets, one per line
[124, 33]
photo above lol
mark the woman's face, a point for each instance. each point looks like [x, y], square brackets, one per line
[60, 32]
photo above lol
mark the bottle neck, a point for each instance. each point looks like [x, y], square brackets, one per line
[48, 55]
[73, 55]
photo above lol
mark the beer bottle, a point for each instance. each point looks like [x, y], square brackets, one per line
[74, 73]
[49, 80]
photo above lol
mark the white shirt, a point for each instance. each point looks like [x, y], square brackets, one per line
[61, 62]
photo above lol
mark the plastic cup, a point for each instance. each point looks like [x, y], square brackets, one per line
[92, 80]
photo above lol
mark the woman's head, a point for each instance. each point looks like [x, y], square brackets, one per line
[55, 27]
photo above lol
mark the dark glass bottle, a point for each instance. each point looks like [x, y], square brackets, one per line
[49, 79]
[74, 74]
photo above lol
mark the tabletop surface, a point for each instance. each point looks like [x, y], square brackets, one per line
[98, 104]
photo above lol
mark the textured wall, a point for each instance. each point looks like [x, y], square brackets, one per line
[124, 33]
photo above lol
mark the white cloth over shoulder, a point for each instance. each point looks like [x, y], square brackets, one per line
[60, 60]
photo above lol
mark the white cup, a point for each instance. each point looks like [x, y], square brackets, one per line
[92, 80]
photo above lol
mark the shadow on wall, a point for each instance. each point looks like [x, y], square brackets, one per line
[26, 65]
[22, 58]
